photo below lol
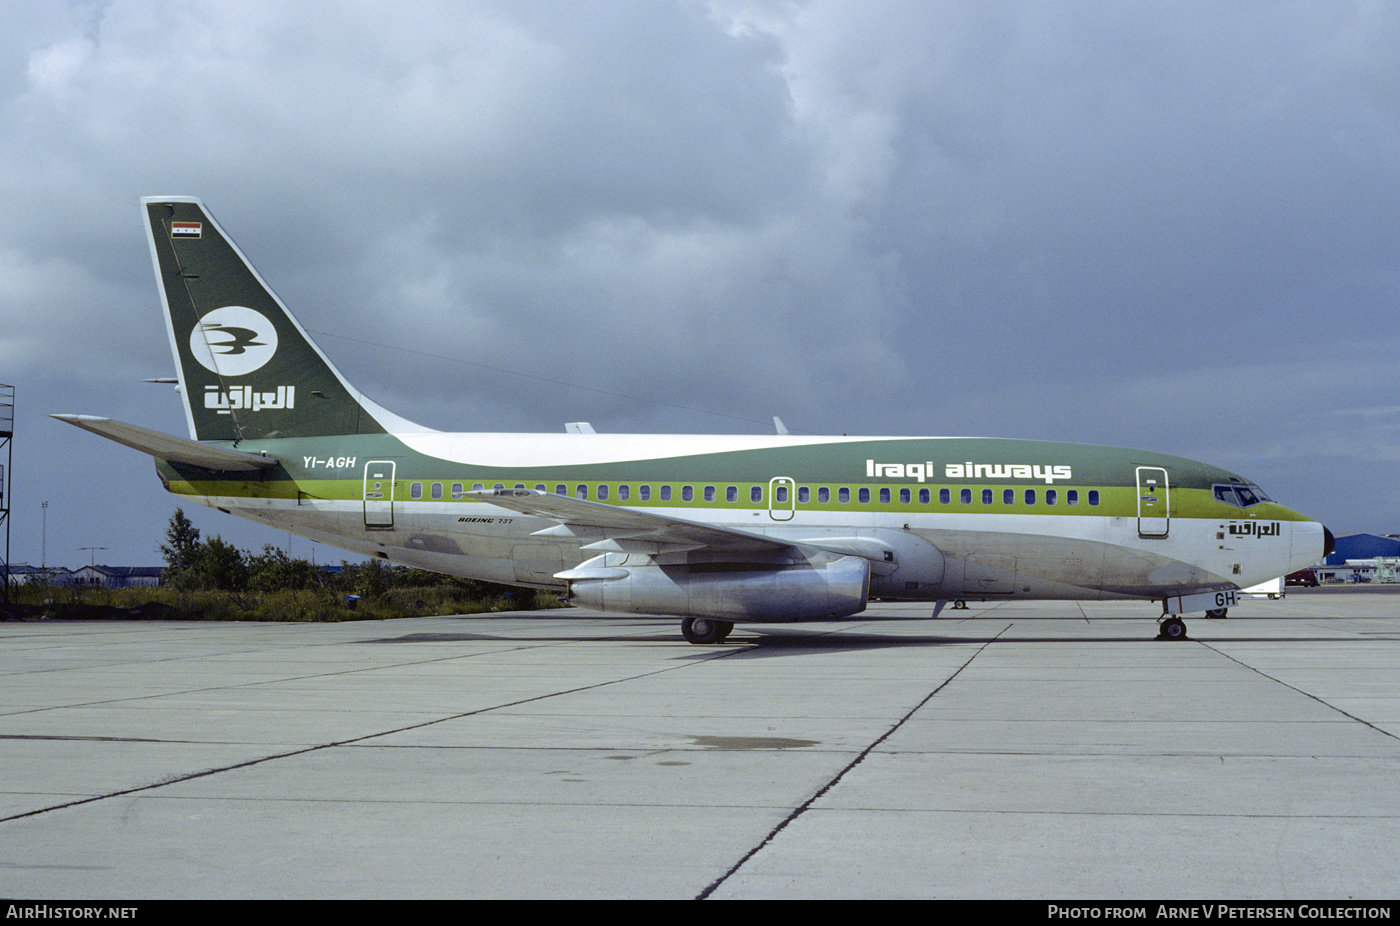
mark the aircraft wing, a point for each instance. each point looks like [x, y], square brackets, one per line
[613, 529]
[169, 447]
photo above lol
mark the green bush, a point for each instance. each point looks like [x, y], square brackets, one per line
[214, 580]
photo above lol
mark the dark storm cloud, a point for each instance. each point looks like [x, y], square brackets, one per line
[1160, 225]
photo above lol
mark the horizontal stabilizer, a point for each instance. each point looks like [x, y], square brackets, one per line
[171, 448]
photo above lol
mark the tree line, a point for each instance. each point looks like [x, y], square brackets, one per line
[194, 564]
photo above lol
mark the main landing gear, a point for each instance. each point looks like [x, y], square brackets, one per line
[705, 630]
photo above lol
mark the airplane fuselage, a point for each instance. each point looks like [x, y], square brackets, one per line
[938, 518]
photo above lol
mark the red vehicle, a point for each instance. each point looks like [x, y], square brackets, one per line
[1301, 577]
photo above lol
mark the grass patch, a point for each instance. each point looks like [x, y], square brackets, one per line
[303, 605]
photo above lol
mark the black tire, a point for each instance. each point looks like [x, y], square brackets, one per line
[1173, 628]
[705, 630]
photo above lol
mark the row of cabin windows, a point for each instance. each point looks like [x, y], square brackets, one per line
[780, 494]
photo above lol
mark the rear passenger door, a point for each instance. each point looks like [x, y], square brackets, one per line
[379, 495]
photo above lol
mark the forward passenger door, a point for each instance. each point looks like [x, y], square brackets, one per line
[1154, 502]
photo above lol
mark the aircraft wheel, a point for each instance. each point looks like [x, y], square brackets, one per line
[960, 605]
[1217, 613]
[1173, 628]
[705, 630]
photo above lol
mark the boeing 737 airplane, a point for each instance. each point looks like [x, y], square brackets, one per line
[715, 530]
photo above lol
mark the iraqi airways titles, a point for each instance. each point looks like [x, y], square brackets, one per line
[921, 472]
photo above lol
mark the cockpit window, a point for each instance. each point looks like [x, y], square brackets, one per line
[1239, 495]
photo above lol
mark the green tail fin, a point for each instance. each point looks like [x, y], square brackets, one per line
[247, 368]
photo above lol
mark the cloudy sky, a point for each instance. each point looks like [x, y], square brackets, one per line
[1173, 226]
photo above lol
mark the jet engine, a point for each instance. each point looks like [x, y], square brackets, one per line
[811, 587]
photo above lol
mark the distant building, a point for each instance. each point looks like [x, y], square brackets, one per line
[25, 574]
[1362, 558]
[88, 576]
[117, 576]
[1363, 546]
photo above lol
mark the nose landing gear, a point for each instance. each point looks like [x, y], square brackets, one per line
[1171, 628]
[1215, 605]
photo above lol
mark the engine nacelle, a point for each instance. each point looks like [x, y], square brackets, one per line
[826, 587]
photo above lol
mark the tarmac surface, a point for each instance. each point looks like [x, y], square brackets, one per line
[1041, 750]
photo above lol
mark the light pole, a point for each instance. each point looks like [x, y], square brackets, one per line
[44, 541]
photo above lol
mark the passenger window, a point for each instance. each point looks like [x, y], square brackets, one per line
[986, 496]
[687, 493]
[731, 494]
[885, 496]
[904, 496]
[709, 493]
[843, 495]
[415, 490]
[1051, 496]
[665, 493]
[864, 495]
[1030, 496]
[823, 495]
[945, 496]
[644, 493]
[1008, 497]
[924, 496]
[437, 490]
[602, 493]
[477, 487]
[581, 491]
[624, 492]
[756, 494]
[457, 490]
[966, 496]
[539, 487]
[561, 489]
[1093, 496]
[1071, 496]
[780, 494]
[804, 495]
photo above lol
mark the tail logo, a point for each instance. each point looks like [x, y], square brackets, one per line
[233, 341]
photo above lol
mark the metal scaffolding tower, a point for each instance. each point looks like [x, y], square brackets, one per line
[7, 431]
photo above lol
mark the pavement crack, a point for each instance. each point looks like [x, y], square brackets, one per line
[836, 779]
[1306, 694]
[355, 740]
